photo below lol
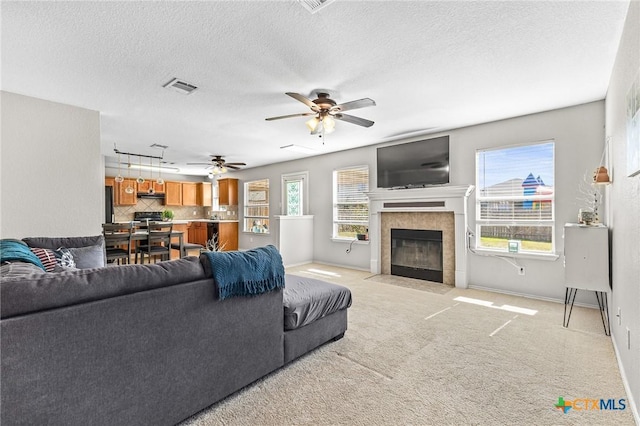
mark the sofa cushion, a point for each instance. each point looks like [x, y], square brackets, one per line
[33, 293]
[88, 257]
[19, 269]
[307, 300]
[54, 243]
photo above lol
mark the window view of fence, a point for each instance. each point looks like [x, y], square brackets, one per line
[515, 198]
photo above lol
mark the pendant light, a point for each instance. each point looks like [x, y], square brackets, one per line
[140, 178]
[160, 181]
[119, 178]
[129, 188]
[151, 189]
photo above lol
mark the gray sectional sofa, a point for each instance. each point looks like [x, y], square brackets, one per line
[145, 344]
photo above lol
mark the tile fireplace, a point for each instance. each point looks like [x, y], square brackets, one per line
[442, 209]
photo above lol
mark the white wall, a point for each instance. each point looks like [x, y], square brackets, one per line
[625, 209]
[579, 135]
[52, 177]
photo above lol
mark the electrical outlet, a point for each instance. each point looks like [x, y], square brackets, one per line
[521, 270]
[619, 315]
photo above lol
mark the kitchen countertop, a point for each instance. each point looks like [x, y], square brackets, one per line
[184, 221]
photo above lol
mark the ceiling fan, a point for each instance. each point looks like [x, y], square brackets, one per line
[324, 110]
[218, 165]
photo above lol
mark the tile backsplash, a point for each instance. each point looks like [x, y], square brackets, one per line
[125, 213]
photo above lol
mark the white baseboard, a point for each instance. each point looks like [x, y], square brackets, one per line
[337, 265]
[632, 404]
[530, 296]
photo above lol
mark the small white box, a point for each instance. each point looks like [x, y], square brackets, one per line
[514, 246]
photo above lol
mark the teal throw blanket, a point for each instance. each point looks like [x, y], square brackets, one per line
[12, 250]
[246, 273]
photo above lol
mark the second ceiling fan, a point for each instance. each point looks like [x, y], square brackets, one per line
[324, 110]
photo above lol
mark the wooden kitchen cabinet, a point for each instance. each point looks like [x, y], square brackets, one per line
[123, 198]
[198, 233]
[173, 193]
[228, 192]
[189, 190]
[203, 194]
[147, 184]
[184, 228]
[228, 235]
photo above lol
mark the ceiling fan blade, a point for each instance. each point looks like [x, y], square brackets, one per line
[198, 164]
[360, 103]
[304, 114]
[308, 102]
[354, 120]
[229, 166]
[234, 164]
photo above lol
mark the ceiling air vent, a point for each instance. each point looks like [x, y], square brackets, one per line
[314, 5]
[180, 86]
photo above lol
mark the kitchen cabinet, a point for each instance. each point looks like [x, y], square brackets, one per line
[203, 194]
[173, 193]
[122, 197]
[189, 190]
[147, 184]
[184, 228]
[228, 192]
[198, 233]
[228, 235]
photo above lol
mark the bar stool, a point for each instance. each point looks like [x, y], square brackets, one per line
[186, 247]
[117, 241]
[158, 242]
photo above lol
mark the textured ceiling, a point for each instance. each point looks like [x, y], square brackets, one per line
[428, 65]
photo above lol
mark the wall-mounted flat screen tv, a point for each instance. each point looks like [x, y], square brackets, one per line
[414, 164]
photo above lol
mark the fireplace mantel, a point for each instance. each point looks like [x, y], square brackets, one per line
[448, 198]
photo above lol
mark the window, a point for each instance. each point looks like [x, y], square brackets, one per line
[256, 206]
[350, 204]
[515, 198]
[294, 190]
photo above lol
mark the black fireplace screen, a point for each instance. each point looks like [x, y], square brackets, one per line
[417, 253]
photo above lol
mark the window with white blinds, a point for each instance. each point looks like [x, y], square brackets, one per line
[350, 204]
[515, 198]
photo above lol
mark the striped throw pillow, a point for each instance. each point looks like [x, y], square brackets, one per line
[47, 257]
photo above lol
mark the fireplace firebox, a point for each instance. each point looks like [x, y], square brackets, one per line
[417, 253]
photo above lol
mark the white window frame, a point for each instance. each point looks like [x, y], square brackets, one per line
[303, 178]
[511, 222]
[247, 200]
[337, 222]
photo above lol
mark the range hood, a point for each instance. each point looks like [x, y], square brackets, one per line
[154, 195]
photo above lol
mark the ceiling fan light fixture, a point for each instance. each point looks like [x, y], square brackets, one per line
[329, 124]
[313, 124]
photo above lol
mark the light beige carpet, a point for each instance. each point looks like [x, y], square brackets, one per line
[413, 283]
[413, 357]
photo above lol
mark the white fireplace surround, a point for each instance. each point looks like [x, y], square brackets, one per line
[448, 198]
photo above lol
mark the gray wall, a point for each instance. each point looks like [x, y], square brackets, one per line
[579, 135]
[625, 210]
[52, 171]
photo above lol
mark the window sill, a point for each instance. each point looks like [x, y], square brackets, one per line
[349, 240]
[256, 233]
[537, 256]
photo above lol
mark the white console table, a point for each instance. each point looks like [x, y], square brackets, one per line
[586, 267]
